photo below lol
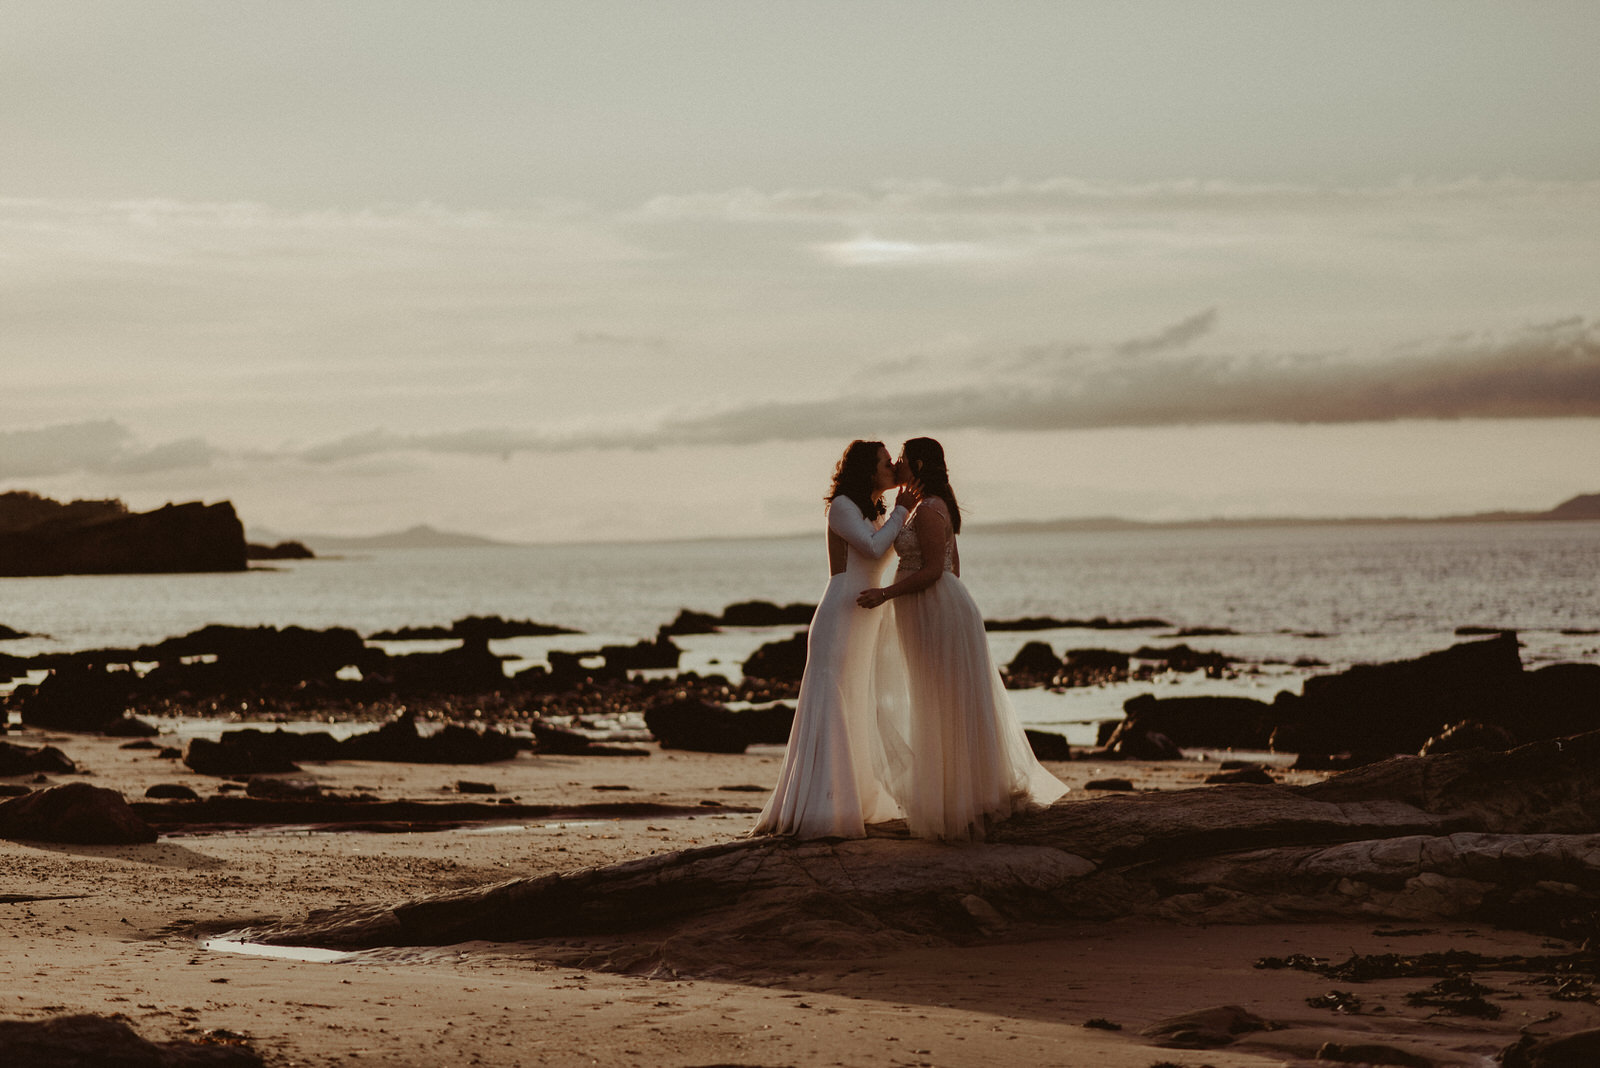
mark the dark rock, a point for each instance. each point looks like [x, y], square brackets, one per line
[28, 760]
[767, 726]
[11, 789]
[12, 667]
[140, 744]
[1581, 1049]
[246, 658]
[1469, 735]
[175, 538]
[11, 633]
[1092, 667]
[1051, 623]
[467, 786]
[1204, 722]
[282, 789]
[283, 550]
[1132, 742]
[171, 791]
[398, 740]
[1109, 784]
[562, 741]
[1048, 745]
[77, 813]
[642, 656]
[1035, 664]
[780, 661]
[1330, 761]
[129, 727]
[1203, 632]
[692, 623]
[256, 752]
[468, 668]
[1205, 1028]
[80, 697]
[1396, 707]
[1255, 773]
[485, 627]
[767, 614]
[694, 724]
[85, 1041]
[1561, 699]
[1183, 658]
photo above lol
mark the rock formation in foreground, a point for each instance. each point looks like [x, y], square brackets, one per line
[1500, 837]
[175, 538]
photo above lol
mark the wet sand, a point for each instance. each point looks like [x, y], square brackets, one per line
[128, 940]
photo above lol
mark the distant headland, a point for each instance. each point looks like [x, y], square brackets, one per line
[1581, 507]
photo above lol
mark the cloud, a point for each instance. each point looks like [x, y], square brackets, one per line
[1173, 337]
[104, 446]
[1543, 371]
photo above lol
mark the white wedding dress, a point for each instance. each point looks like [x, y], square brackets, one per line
[956, 756]
[831, 784]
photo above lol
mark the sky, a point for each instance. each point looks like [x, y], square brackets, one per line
[608, 270]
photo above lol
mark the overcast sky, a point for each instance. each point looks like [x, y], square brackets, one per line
[623, 270]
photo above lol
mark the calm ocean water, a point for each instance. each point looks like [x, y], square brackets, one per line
[1339, 594]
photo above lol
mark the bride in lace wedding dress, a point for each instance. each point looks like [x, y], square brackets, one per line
[831, 783]
[955, 756]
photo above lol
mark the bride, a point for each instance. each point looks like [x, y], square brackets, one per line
[831, 782]
[957, 758]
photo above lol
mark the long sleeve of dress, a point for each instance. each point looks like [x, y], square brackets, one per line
[847, 521]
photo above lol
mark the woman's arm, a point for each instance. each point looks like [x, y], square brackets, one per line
[932, 527]
[846, 520]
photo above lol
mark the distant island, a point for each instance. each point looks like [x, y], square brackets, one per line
[1582, 507]
[421, 536]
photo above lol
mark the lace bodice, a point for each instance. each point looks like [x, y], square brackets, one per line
[909, 549]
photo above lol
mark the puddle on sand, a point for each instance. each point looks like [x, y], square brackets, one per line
[257, 949]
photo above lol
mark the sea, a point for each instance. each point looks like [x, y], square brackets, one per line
[1291, 601]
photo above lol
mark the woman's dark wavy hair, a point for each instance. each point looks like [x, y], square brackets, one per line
[853, 476]
[925, 457]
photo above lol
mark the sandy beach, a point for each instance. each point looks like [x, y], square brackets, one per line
[121, 930]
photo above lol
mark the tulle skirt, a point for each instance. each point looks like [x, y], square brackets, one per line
[954, 755]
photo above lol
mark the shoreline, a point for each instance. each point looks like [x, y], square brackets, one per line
[131, 944]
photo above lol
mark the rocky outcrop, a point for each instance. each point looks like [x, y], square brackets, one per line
[1373, 711]
[176, 538]
[77, 813]
[1489, 836]
[283, 550]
